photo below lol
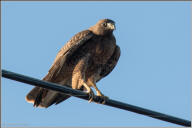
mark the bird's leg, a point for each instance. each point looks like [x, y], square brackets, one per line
[79, 77]
[89, 91]
[77, 81]
[104, 98]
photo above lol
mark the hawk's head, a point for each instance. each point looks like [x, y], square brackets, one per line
[103, 27]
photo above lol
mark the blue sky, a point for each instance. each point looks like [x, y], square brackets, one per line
[153, 71]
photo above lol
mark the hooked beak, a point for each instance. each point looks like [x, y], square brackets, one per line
[111, 26]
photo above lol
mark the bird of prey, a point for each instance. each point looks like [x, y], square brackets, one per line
[89, 56]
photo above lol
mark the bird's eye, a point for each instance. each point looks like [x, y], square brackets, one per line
[105, 24]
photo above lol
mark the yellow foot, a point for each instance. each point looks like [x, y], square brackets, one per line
[102, 98]
[91, 95]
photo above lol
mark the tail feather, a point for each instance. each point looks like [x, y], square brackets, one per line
[41, 97]
[31, 96]
[61, 98]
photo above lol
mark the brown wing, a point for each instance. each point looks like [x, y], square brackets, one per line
[76, 41]
[111, 63]
[49, 97]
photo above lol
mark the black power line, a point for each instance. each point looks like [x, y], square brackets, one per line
[83, 95]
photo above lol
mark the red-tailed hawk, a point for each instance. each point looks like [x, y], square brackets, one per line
[89, 56]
